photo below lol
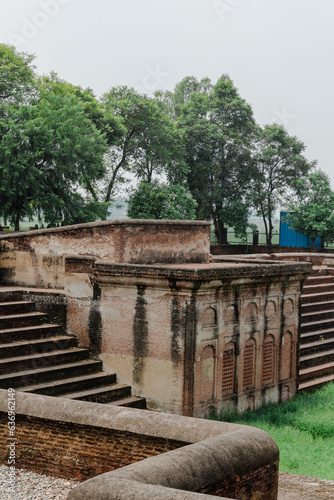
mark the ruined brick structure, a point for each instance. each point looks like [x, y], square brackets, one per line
[185, 333]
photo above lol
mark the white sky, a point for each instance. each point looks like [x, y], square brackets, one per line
[279, 53]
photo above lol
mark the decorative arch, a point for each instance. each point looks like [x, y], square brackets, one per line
[249, 364]
[268, 360]
[286, 356]
[229, 368]
[231, 314]
[210, 317]
[252, 312]
[271, 309]
[207, 373]
[289, 307]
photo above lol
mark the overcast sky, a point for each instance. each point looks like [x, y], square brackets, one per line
[279, 53]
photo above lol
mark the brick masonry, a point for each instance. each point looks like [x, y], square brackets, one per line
[37, 258]
[83, 440]
[65, 449]
[211, 334]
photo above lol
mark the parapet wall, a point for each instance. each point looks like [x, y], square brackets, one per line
[143, 454]
[37, 258]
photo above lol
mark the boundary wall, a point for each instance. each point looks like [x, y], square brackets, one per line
[37, 258]
[141, 454]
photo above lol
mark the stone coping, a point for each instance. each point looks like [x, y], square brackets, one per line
[217, 451]
[230, 270]
[23, 289]
[115, 222]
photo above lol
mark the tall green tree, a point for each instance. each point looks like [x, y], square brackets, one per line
[280, 163]
[49, 150]
[312, 212]
[218, 128]
[147, 142]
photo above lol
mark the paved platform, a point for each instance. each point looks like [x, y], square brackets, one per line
[293, 487]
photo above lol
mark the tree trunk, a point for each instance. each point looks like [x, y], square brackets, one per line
[17, 222]
[220, 231]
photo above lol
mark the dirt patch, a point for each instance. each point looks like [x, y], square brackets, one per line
[292, 487]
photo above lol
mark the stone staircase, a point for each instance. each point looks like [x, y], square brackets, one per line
[38, 357]
[317, 330]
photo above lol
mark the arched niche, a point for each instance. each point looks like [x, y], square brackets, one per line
[229, 369]
[289, 307]
[207, 373]
[231, 314]
[252, 312]
[271, 309]
[249, 364]
[210, 316]
[286, 356]
[268, 360]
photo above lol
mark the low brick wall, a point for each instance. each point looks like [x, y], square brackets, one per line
[37, 258]
[144, 454]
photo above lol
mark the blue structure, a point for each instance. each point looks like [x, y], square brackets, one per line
[289, 238]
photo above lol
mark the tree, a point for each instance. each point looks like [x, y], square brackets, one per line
[279, 163]
[52, 141]
[313, 210]
[160, 201]
[48, 150]
[218, 129]
[17, 77]
[147, 142]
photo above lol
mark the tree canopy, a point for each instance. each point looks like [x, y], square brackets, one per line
[65, 154]
[49, 148]
[160, 201]
[280, 163]
[312, 212]
[218, 128]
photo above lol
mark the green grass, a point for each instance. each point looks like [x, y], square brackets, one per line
[303, 429]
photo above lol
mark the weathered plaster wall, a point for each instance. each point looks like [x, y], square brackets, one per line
[191, 337]
[142, 454]
[37, 258]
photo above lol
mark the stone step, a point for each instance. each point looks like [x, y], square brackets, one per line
[317, 358]
[316, 371]
[18, 307]
[316, 382]
[20, 363]
[9, 294]
[316, 347]
[133, 402]
[67, 385]
[319, 288]
[29, 332]
[18, 320]
[317, 279]
[313, 307]
[102, 395]
[307, 317]
[317, 297]
[21, 348]
[305, 338]
[314, 326]
[52, 373]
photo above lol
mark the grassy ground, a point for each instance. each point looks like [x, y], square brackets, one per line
[303, 429]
